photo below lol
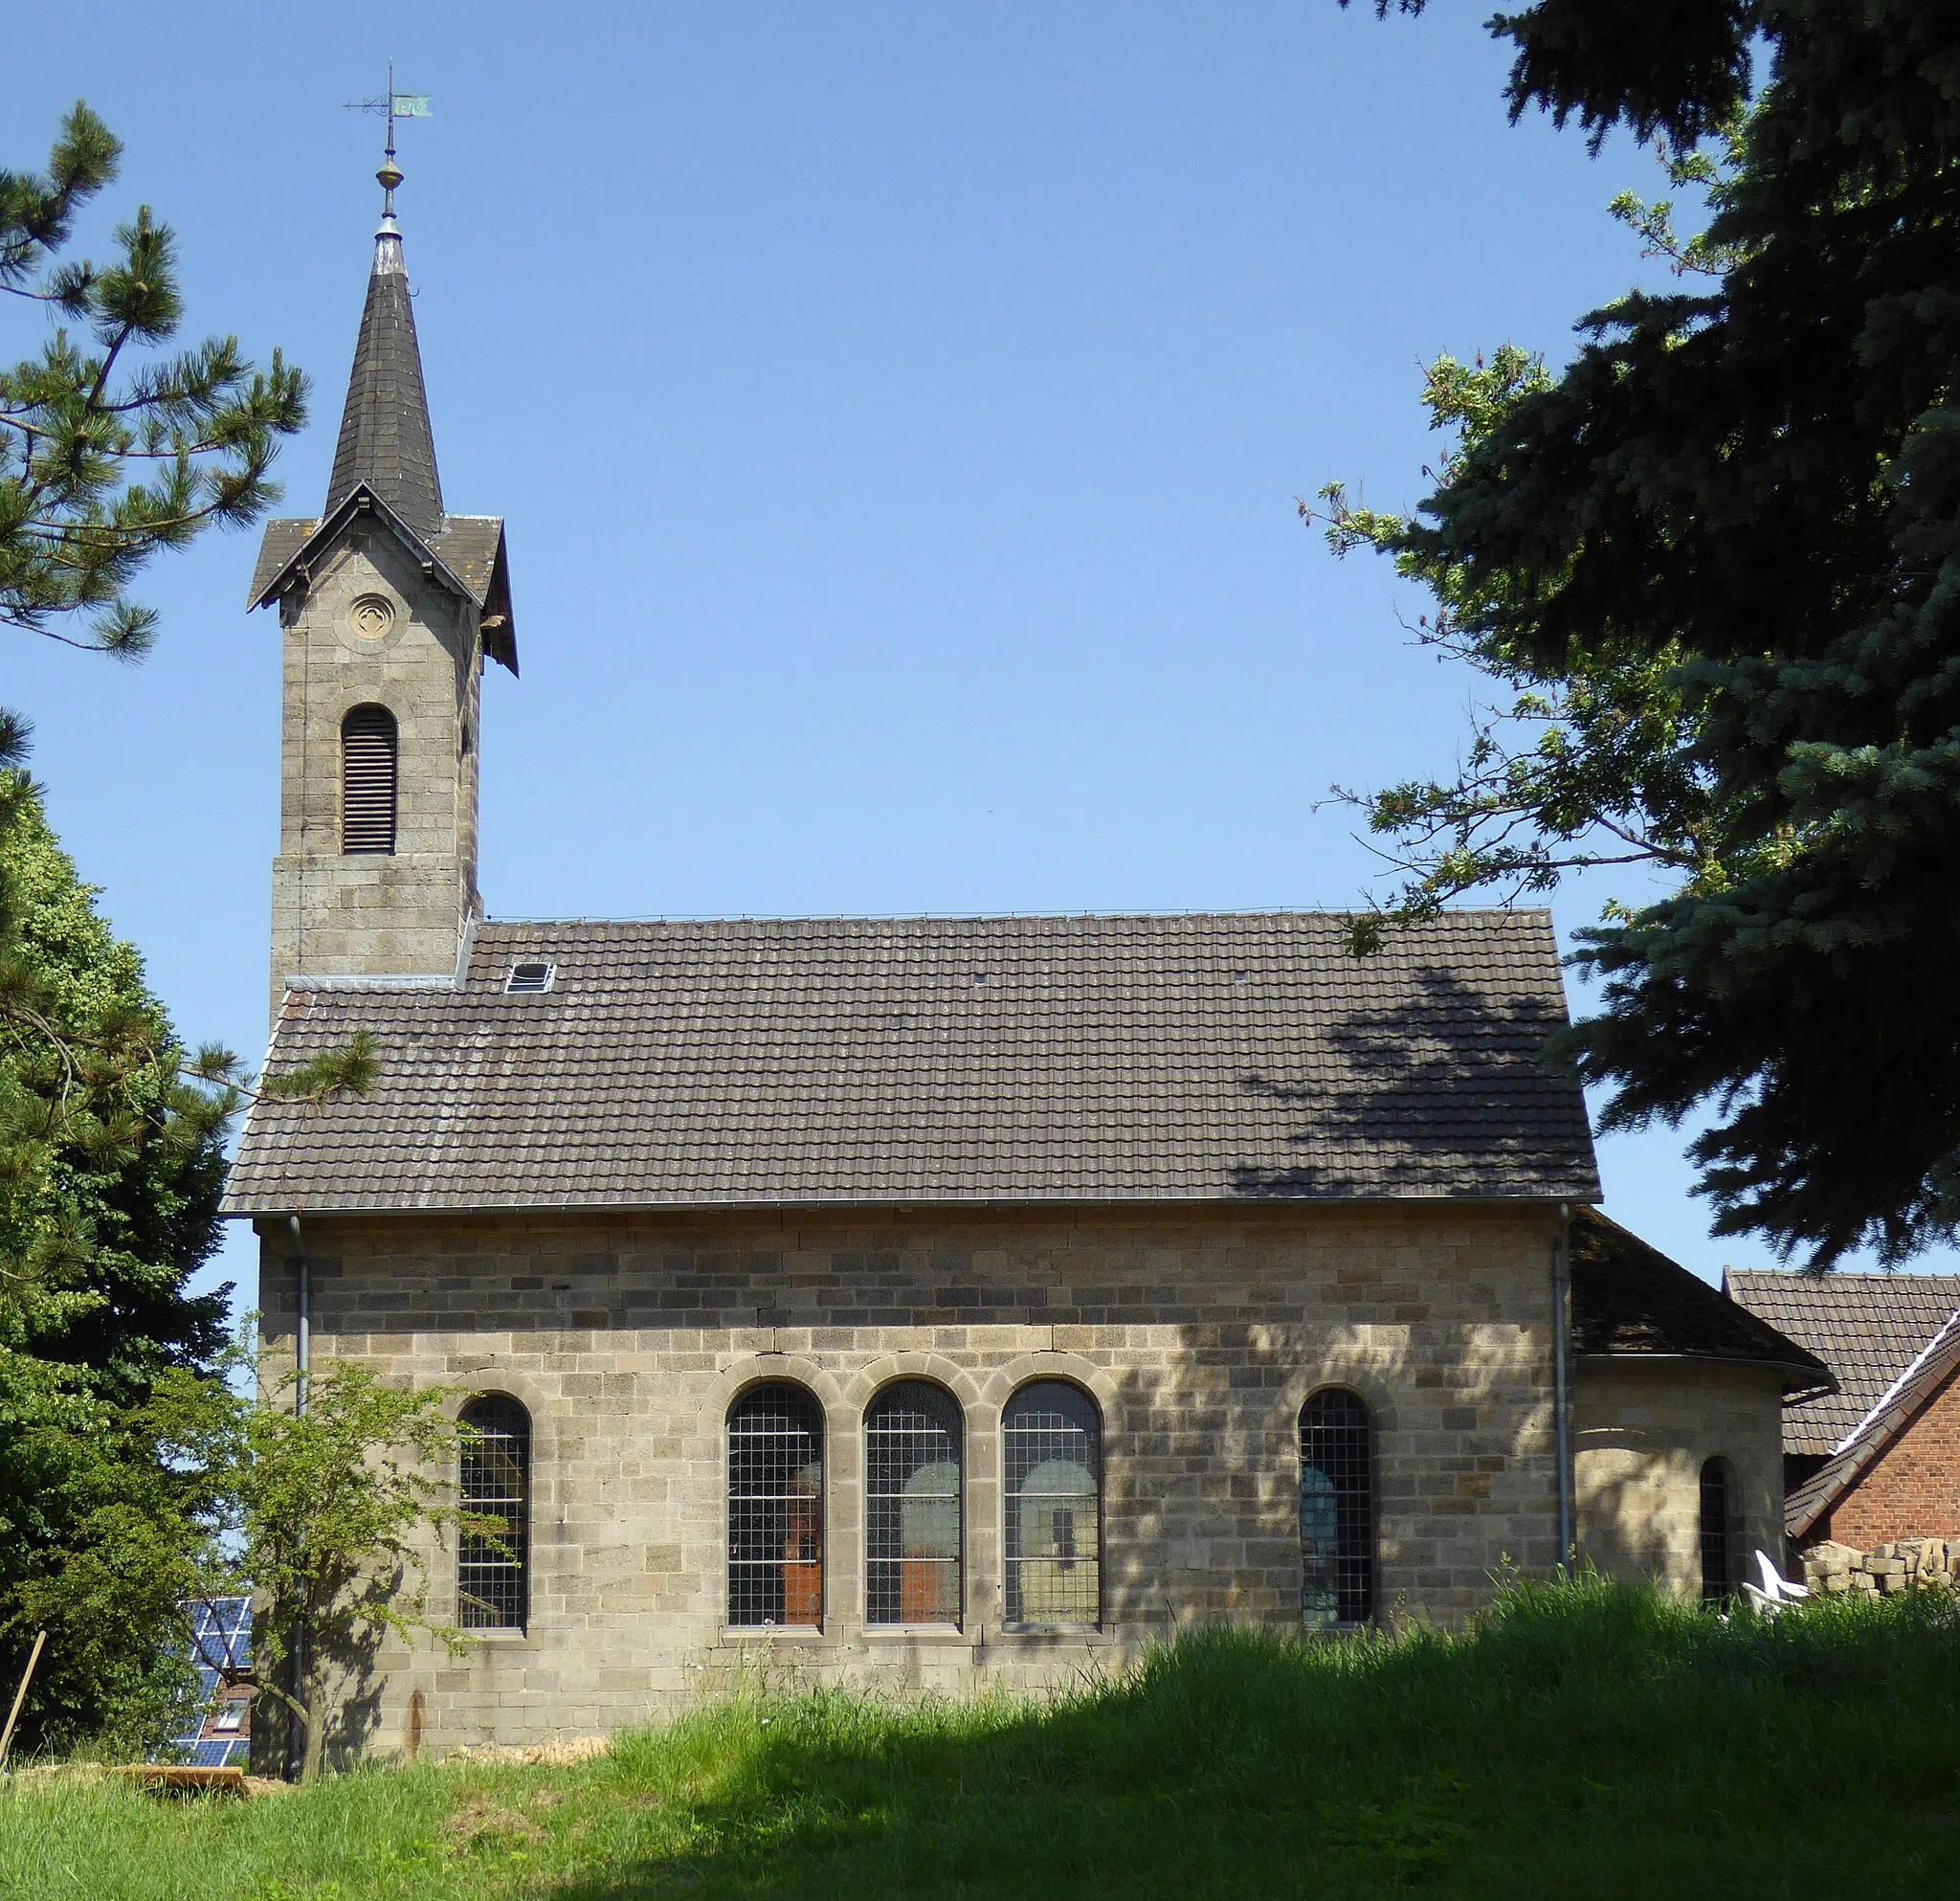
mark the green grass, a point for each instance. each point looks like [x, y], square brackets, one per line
[1585, 1740]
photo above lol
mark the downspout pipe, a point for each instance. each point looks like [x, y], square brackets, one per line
[1561, 1360]
[302, 1365]
[303, 1332]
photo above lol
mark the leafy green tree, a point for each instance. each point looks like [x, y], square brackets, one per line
[336, 1507]
[110, 1170]
[1714, 564]
[112, 448]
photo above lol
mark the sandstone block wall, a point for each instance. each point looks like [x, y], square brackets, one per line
[367, 915]
[1641, 1432]
[1200, 1335]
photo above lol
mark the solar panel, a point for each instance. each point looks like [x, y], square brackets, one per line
[220, 1640]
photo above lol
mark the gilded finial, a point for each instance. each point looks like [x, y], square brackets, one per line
[391, 105]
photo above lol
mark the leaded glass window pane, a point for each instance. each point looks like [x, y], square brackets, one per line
[775, 1507]
[493, 1548]
[1718, 1557]
[1336, 1511]
[1054, 1457]
[912, 1451]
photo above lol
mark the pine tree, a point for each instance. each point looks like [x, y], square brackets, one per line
[1715, 561]
[111, 1132]
[108, 452]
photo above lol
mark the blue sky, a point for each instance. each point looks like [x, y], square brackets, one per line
[897, 412]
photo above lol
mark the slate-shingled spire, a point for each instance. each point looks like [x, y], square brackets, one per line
[385, 437]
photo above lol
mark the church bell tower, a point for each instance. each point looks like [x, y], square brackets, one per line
[388, 608]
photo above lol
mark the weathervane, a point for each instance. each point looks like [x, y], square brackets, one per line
[392, 105]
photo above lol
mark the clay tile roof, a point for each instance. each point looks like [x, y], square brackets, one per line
[1867, 1327]
[1224, 1058]
[1630, 1301]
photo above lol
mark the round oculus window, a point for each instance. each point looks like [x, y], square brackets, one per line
[371, 617]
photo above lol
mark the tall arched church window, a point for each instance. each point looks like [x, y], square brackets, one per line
[912, 1456]
[1719, 1540]
[1336, 1511]
[775, 1507]
[494, 1544]
[1053, 1439]
[367, 781]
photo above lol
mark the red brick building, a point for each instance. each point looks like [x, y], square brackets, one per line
[1893, 1471]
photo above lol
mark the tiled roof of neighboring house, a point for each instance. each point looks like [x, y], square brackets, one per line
[1937, 1363]
[1630, 1301]
[1867, 1327]
[1027, 1059]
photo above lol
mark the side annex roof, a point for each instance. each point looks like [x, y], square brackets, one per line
[1630, 1301]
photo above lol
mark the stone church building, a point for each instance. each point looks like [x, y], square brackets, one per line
[911, 1301]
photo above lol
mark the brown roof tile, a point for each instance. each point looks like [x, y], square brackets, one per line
[1235, 1058]
[1867, 1327]
[1630, 1301]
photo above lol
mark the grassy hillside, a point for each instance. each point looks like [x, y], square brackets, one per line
[1584, 1740]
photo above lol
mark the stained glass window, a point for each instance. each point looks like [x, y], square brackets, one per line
[1336, 1511]
[775, 1507]
[1717, 1544]
[912, 1453]
[1054, 1446]
[493, 1548]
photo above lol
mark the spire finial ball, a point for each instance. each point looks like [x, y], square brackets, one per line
[390, 175]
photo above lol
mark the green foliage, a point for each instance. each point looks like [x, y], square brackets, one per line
[110, 1172]
[1715, 563]
[108, 454]
[111, 1167]
[1584, 1739]
[334, 1504]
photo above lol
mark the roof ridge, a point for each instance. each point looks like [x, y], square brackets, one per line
[1904, 1379]
[997, 917]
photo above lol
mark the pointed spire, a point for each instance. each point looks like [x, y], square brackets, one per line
[386, 441]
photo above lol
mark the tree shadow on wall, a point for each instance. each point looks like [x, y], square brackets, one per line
[1452, 1093]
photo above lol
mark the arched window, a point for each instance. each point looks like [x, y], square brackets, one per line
[775, 1507]
[494, 1545]
[367, 781]
[912, 1445]
[1054, 1446]
[1719, 1541]
[1336, 1511]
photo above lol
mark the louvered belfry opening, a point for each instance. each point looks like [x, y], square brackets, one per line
[367, 781]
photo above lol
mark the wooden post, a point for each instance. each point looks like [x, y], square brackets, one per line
[20, 1696]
